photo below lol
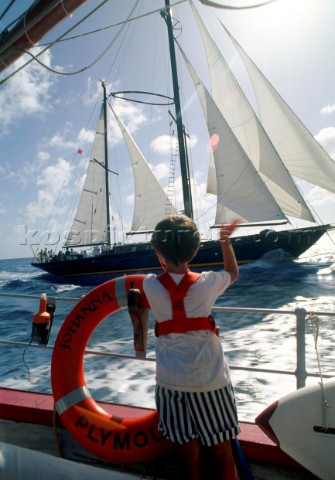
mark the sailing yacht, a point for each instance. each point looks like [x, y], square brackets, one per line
[251, 173]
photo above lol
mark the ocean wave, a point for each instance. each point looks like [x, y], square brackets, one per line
[327, 271]
[260, 340]
[66, 288]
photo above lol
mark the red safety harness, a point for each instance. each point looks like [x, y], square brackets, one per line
[180, 323]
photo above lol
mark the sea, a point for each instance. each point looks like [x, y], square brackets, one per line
[260, 347]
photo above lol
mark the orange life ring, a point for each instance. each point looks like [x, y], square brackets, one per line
[116, 439]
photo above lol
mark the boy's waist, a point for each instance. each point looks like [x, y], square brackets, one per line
[186, 325]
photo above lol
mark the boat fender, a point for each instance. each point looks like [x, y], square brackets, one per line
[112, 437]
[42, 321]
[140, 318]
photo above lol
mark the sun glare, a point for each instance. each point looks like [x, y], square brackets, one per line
[288, 20]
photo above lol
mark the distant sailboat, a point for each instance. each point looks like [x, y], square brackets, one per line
[250, 172]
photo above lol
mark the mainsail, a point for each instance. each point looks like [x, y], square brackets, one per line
[90, 223]
[249, 131]
[240, 190]
[298, 149]
[151, 202]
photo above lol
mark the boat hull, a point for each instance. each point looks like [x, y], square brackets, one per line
[27, 420]
[140, 258]
[303, 425]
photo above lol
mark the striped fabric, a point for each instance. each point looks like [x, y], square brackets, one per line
[210, 416]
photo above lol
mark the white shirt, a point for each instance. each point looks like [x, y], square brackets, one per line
[192, 361]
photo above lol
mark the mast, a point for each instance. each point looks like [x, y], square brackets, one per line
[106, 164]
[184, 165]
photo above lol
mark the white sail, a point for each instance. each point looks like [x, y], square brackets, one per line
[298, 149]
[90, 223]
[211, 177]
[248, 130]
[240, 191]
[151, 202]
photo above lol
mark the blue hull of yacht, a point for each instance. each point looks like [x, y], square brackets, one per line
[140, 258]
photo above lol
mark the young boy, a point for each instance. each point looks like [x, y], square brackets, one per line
[194, 396]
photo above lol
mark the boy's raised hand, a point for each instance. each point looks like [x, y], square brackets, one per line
[227, 230]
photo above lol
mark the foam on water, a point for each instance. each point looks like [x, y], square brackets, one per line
[261, 340]
[66, 288]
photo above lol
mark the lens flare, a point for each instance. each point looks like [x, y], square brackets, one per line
[214, 141]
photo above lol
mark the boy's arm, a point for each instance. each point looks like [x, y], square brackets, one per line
[230, 262]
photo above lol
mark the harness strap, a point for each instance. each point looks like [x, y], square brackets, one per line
[178, 292]
[192, 324]
[179, 322]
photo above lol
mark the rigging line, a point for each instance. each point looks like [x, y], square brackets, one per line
[68, 220]
[120, 96]
[6, 10]
[117, 205]
[330, 238]
[48, 223]
[38, 380]
[209, 3]
[125, 29]
[20, 17]
[87, 66]
[77, 71]
[59, 39]
[197, 196]
[154, 80]
[67, 178]
[53, 43]
[315, 323]
[152, 12]
[29, 23]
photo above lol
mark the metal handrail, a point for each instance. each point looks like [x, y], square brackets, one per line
[214, 309]
[51, 297]
[153, 359]
[300, 313]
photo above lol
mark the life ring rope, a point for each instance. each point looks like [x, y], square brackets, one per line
[109, 436]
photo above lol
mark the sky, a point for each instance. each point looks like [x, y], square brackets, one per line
[48, 110]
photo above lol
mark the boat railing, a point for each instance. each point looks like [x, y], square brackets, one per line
[301, 315]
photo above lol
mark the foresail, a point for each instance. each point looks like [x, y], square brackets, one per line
[248, 130]
[298, 149]
[241, 192]
[90, 223]
[151, 202]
